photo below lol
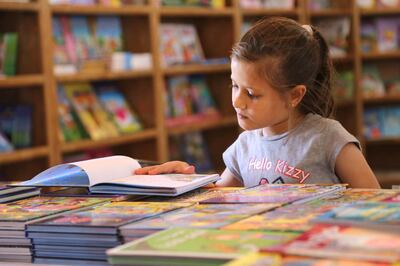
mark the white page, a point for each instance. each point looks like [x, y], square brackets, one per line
[107, 168]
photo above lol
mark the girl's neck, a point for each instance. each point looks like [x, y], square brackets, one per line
[286, 125]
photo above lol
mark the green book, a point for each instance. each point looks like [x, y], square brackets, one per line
[202, 245]
[10, 42]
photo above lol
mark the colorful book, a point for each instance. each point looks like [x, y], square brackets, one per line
[344, 242]
[202, 101]
[189, 246]
[388, 34]
[103, 219]
[117, 106]
[375, 215]
[108, 34]
[114, 175]
[94, 118]
[9, 50]
[199, 194]
[69, 123]
[298, 217]
[210, 216]
[193, 149]
[255, 259]
[16, 214]
[282, 194]
[336, 32]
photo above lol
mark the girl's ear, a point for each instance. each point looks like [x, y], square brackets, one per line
[296, 95]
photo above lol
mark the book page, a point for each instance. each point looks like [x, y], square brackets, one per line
[108, 168]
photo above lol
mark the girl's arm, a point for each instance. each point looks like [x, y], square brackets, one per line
[228, 180]
[352, 168]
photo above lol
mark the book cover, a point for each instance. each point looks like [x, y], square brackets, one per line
[369, 37]
[343, 242]
[197, 195]
[344, 85]
[5, 143]
[202, 101]
[116, 105]
[388, 35]
[105, 218]
[113, 175]
[336, 32]
[69, 123]
[190, 243]
[373, 123]
[193, 149]
[275, 193]
[85, 46]
[22, 211]
[59, 46]
[377, 215]
[10, 53]
[371, 82]
[108, 34]
[21, 134]
[200, 216]
[179, 91]
[94, 118]
[170, 47]
[257, 259]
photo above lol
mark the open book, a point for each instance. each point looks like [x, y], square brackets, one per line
[114, 175]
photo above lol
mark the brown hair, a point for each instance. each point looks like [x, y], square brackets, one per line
[290, 55]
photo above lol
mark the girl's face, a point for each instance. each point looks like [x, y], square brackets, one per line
[256, 103]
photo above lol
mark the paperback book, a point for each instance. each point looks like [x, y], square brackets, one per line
[114, 175]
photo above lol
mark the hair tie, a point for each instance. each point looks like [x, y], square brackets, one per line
[308, 28]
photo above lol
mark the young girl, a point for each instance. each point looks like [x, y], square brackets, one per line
[281, 92]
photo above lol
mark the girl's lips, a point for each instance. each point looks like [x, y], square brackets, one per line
[240, 116]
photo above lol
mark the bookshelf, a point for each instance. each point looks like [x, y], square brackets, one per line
[218, 28]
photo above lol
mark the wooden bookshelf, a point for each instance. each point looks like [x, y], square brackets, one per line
[218, 30]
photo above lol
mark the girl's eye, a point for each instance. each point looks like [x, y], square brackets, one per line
[251, 95]
[234, 86]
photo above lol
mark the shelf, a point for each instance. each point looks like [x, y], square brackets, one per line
[93, 9]
[379, 11]
[23, 154]
[269, 12]
[332, 12]
[21, 81]
[204, 125]
[11, 6]
[381, 55]
[382, 100]
[94, 144]
[384, 141]
[196, 69]
[195, 11]
[104, 76]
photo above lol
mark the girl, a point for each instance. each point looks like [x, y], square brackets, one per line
[281, 91]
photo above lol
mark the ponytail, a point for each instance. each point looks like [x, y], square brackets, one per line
[319, 99]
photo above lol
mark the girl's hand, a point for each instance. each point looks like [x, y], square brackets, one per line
[165, 168]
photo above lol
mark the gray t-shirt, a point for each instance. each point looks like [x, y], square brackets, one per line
[305, 154]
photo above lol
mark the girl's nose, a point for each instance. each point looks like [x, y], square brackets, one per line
[238, 101]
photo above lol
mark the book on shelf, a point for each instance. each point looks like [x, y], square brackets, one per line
[62, 62]
[8, 53]
[194, 246]
[388, 34]
[92, 115]
[180, 44]
[117, 106]
[344, 85]
[108, 34]
[5, 143]
[374, 215]
[16, 124]
[336, 31]
[343, 242]
[369, 37]
[373, 123]
[70, 125]
[114, 175]
[371, 82]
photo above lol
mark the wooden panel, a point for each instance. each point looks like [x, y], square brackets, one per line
[26, 25]
[136, 32]
[145, 150]
[140, 95]
[22, 170]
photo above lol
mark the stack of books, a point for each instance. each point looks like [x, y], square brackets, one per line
[87, 234]
[14, 244]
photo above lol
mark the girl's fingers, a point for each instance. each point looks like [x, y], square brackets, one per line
[165, 168]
